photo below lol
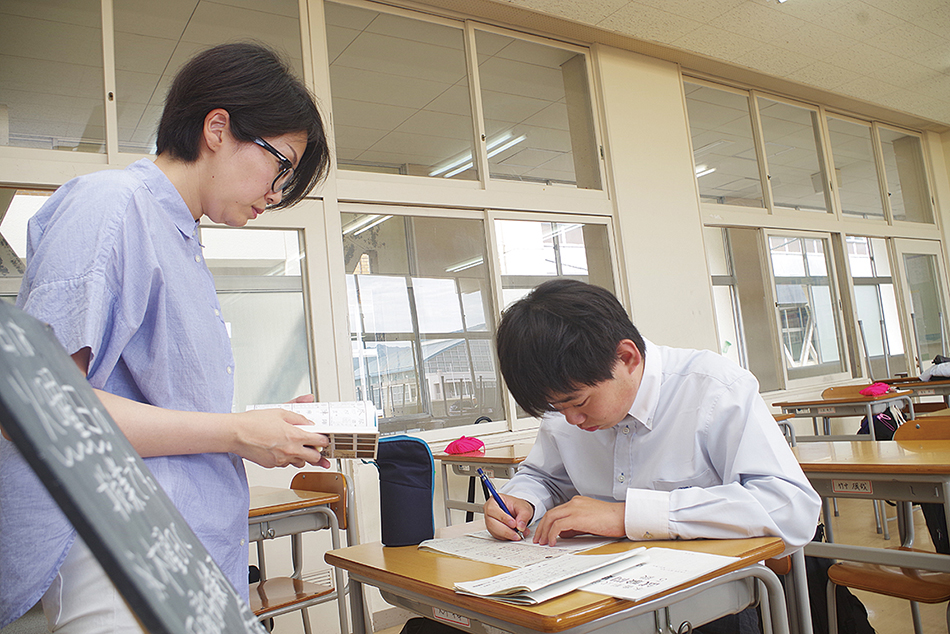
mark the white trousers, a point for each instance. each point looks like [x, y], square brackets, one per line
[83, 600]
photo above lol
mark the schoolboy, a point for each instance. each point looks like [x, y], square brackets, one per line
[639, 440]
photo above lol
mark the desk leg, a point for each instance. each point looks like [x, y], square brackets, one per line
[357, 607]
[826, 514]
[445, 495]
[800, 582]
[946, 499]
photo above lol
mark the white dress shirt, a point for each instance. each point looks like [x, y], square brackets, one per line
[698, 456]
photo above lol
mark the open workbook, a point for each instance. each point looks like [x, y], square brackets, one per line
[551, 578]
[633, 575]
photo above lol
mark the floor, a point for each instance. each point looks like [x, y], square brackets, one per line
[855, 525]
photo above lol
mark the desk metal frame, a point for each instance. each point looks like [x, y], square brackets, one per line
[467, 464]
[936, 387]
[294, 523]
[904, 487]
[841, 408]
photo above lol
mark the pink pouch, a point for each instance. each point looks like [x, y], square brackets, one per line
[876, 389]
[465, 444]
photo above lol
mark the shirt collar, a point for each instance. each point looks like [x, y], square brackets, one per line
[648, 394]
[166, 194]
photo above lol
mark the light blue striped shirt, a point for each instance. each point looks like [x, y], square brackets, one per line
[114, 264]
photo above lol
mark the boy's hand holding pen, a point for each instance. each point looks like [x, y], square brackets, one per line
[498, 499]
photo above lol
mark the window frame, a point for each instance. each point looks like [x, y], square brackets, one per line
[529, 423]
[833, 282]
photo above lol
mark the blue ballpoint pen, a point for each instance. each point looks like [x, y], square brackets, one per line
[497, 498]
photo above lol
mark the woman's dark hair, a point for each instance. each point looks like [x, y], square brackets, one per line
[262, 97]
[561, 336]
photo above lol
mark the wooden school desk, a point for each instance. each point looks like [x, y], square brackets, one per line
[916, 471]
[825, 408]
[278, 512]
[497, 462]
[422, 582]
[937, 387]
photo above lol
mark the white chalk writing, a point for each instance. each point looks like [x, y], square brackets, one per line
[210, 603]
[62, 412]
[13, 340]
[125, 484]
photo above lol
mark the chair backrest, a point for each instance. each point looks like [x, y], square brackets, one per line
[925, 428]
[325, 482]
[843, 391]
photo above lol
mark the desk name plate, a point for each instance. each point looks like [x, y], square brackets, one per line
[852, 486]
[65, 434]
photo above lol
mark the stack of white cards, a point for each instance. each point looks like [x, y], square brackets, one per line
[351, 426]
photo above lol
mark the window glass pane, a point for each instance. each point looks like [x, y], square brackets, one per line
[791, 151]
[258, 276]
[805, 298]
[439, 306]
[419, 309]
[724, 298]
[538, 119]
[716, 256]
[531, 252]
[51, 85]
[927, 304]
[855, 174]
[859, 257]
[20, 205]
[401, 102]
[723, 150]
[153, 40]
[907, 189]
[876, 305]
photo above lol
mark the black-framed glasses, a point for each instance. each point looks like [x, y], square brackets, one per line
[286, 173]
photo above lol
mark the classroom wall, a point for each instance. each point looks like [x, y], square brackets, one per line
[657, 204]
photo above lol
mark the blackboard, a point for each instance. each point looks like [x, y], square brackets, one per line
[141, 540]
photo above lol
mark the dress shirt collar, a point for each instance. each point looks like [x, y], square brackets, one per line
[166, 194]
[648, 394]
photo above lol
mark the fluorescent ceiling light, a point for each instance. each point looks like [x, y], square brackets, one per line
[465, 264]
[494, 146]
[359, 223]
[702, 170]
[709, 147]
[379, 220]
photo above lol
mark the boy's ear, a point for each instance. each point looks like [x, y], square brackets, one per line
[629, 354]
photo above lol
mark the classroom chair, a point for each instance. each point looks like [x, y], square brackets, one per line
[914, 585]
[272, 597]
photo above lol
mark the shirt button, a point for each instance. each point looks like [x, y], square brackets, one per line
[229, 369]
[198, 259]
[242, 542]
[626, 430]
[217, 313]
[621, 478]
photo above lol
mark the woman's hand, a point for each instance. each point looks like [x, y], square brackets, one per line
[272, 438]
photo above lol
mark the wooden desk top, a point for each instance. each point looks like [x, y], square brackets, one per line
[504, 454]
[269, 500]
[883, 456]
[434, 575]
[914, 382]
[782, 417]
[845, 400]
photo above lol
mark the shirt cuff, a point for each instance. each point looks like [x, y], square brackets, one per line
[647, 514]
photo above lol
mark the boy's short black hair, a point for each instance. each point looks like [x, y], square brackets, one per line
[561, 336]
[261, 95]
